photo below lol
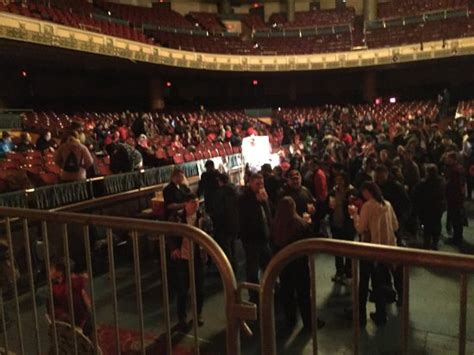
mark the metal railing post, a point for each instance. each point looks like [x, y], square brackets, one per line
[405, 309]
[26, 236]
[138, 284]
[69, 284]
[462, 313]
[166, 300]
[314, 314]
[90, 273]
[355, 305]
[113, 281]
[15, 286]
[47, 256]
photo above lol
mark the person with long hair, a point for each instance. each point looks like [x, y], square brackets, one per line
[376, 223]
[288, 227]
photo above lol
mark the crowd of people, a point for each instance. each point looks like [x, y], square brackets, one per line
[344, 175]
[349, 178]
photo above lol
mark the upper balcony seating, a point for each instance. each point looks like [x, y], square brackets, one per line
[255, 22]
[139, 15]
[418, 33]
[72, 19]
[315, 18]
[208, 21]
[402, 8]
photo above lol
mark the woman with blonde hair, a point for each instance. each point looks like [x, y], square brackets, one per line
[289, 227]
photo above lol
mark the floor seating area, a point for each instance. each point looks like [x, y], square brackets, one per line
[390, 112]
[172, 142]
[466, 108]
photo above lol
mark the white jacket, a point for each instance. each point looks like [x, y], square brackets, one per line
[377, 223]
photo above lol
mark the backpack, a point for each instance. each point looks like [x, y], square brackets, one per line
[71, 165]
[120, 159]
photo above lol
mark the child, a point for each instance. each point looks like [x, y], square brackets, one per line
[81, 299]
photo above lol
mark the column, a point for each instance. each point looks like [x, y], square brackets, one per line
[370, 10]
[370, 86]
[226, 8]
[157, 101]
[290, 10]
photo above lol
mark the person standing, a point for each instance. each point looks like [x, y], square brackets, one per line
[289, 227]
[377, 224]
[181, 255]
[272, 184]
[321, 195]
[430, 198]
[227, 218]
[255, 216]
[301, 195]
[74, 159]
[342, 227]
[175, 194]
[455, 192]
[394, 193]
[208, 187]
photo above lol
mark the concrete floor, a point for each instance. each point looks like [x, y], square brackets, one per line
[434, 318]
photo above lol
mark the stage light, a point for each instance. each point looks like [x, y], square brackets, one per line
[24, 73]
[109, 13]
[254, 82]
[378, 100]
[168, 84]
[393, 100]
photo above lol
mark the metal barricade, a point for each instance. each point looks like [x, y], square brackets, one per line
[23, 219]
[405, 257]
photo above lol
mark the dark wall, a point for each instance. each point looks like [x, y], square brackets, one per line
[67, 81]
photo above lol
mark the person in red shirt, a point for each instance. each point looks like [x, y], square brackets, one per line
[81, 299]
[122, 130]
[320, 191]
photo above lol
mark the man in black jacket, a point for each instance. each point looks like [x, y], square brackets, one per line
[226, 224]
[430, 197]
[305, 202]
[394, 193]
[208, 187]
[254, 216]
[455, 193]
[175, 194]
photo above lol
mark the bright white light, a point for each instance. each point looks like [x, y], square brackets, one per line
[393, 100]
[109, 13]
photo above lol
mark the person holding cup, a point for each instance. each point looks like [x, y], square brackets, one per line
[342, 227]
[304, 200]
[376, 223]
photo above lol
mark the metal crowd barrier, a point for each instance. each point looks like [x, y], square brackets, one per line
[405, 257]
[235, 310]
